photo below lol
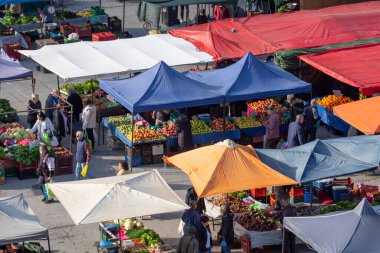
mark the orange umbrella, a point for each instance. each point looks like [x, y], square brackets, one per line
[227, 167]
[364, 114]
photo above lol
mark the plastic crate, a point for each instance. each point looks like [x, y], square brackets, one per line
[296, 192]
[103, 36]
[96, 10]
[294, 200]
[259, 192]
[114, 23]
[307, 197]
[99, 28]
[83, 30]
[157, 159]
[342, 181]
[134, 152]
[245, 244]
[337, 191]
[136, 161]
[67, 41]
[322, 183]
[2, 175]
[22, 166]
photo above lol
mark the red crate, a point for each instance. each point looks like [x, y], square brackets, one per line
[259, 192]
[296, 192]
[22, 166]
[103, 36]
[83, 30]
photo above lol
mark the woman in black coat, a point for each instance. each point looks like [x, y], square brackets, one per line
[204, 236]
[59, 124]
[227, 230]
[34, 105]
[183, 128]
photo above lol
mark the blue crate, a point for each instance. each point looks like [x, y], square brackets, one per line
[307, 197]
[306, 188]
[136, 161]
[321, 184]
[337, 191]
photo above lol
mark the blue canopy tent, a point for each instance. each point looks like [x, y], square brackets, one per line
[313, 161]
[340, 232]
[12, 70]
[249, 78]
[160, 88]
[5, 2]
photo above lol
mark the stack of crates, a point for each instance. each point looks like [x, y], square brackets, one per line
[307, 197]
[296, 195]
[146, 154]
[133, 156]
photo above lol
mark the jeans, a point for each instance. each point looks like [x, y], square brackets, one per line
[78, 170]
[206, 251]
[225, 249]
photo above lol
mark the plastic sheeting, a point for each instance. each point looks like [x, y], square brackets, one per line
[363, 72]
[233, 38]
[249, 78]
[158, 88]
[344, 232]
[11, 70]
[94, 59]
[109, 198]
[18, 221]
[313, 161]
[226, 167]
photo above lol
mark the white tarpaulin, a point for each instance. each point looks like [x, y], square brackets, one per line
[18, 222]
[109, 198]
[122, 56]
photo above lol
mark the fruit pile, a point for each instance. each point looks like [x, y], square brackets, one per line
[257, 220]
[330, 101]
[217, 125]
[259, 107]
[246, 122]
[199, 127]
[61, 152]
[144, 134]
[9, 19]
[201, 69]
[169, 131]
[236, 204]
[84, 14]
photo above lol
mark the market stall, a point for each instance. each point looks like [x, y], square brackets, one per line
[362, 114]
[19, 223]
[350, 231]
[106, 199]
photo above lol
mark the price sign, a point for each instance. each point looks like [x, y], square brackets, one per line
[337, 93]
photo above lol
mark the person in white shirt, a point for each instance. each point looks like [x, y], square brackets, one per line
[89, 120]
[42, 125]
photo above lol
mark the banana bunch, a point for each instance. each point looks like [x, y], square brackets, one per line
[84, 14]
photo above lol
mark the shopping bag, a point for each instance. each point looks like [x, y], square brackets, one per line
[88, 140]
[46, 138]
[180, 228]
[84, 171]
[48, 194]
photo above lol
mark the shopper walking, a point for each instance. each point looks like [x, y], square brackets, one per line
[42, 125]
[184, 16]
[191, 218]
[312, 121]
[59, 123]
[191, 195]
[51, 102]
[204, 236]
[183, 128]
[76, 101]
[189, 243]
[89, 120]
[226, 232]
[83, 154]
[34, 104]
[272, 126]
[46, 170]
[296, 132]
[201, 17]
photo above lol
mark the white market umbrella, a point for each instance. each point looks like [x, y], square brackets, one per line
[101, 199]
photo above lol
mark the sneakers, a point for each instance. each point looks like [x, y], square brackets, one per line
[49, 201]
[43, 200]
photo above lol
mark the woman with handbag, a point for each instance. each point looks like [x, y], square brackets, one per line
[43, 127]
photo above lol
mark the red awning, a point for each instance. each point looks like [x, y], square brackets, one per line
[233, 38]
[358, 66]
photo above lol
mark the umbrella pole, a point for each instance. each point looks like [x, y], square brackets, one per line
[58, 84]
[118, 222]
[48, 239]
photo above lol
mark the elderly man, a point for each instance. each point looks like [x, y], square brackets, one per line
[83, 154]
[76, 101]
[272, 127]
[312, 121]
[191, 218]
[51, 103]
[296, 132]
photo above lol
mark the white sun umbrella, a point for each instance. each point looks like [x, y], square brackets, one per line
[109, 198]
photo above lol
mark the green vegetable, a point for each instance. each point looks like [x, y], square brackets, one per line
[26, 155]
[87, 87]
[135, 233]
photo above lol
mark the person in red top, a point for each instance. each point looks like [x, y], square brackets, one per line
[272, 127]
[221, 12]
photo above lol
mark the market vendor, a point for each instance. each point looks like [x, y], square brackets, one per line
[272, 128]
[183, 128]
[161, 116]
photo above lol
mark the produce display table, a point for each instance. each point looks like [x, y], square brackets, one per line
[17, 38]
[331, 120]
[84, 20]
[216, 136]
[122, 137]
[27, 27]
[259, 239]
[253, 131]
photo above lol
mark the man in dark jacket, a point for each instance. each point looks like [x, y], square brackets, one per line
[227, 230]
[59, 124]
[51, 102]
[204, 236]
[189, 243]
[201, 18]
[183, 128]
[296, 132]
[76, 101]
[312, 120]
[191, 218]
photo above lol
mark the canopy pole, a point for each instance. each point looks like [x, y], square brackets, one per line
[224, 120]
[58, 85]
[71, 127]
[33, 85]
[23, 247]
[48, 239]
[284, 244]
[133, 125]
[123, 15]
[100, 3]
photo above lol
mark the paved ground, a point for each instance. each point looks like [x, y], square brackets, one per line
[66, 237]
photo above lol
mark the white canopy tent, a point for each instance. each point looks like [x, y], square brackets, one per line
[110, 198]
[18, 222]
[122, 56]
